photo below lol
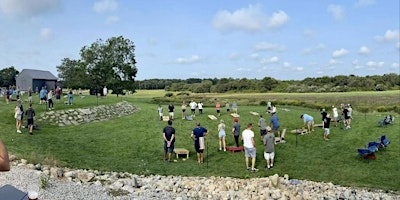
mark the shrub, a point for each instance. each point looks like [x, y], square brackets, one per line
[169, 94]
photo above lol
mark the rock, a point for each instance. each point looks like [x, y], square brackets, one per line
[274, 180]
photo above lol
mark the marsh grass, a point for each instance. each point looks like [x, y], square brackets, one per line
[134, 143]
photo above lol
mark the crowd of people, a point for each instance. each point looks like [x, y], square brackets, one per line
[268, 130]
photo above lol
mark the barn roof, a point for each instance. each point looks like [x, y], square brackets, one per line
[37, 74]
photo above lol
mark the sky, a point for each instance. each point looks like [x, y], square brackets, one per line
[181, 39]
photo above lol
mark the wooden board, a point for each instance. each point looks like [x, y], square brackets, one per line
[212, 117]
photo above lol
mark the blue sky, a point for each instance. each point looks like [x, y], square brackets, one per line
[286, 40]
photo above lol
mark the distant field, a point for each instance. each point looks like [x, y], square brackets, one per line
[134, 143]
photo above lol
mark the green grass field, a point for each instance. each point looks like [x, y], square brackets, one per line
[134, 143]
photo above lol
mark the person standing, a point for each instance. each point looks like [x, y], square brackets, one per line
[58, 94]
[198, 135]
[70, 96]
[323, 115]
[105, 91]
[43, 93]
[222, 135]
[269, 152]
[50, 99]
[335, 115]
[160, 112]
[29, 95]
[183, 107]
[263, 126]
[18, 112]
[171, 111]
[193, 106]
[236, 131]
[308, 121]
[4, 159]
[228, 109]
[249, 147]
[235, 107]
[200, 106]
[218, 108]
[327, 122]
[30, 113]
[169, 141]
[276, 125]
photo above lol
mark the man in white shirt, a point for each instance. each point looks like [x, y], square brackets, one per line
[249, 147]
[193, 106]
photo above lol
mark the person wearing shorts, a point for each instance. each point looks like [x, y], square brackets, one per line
[269, 152]
[183, 107]
[198, 135]
[263, 125]
[218, 108]
[30, 113]
[169, 141]
[327, 122]
[249, 147]
[308, 121]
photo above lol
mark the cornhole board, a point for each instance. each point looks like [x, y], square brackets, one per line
[235, 115]
[278, 139]
[254, 113]
[181, 151]
[318, 125]
[9, 192]
[299, 131]
[234, 149]
[212, 117]
[165, 118]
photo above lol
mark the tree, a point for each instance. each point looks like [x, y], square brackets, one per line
[7, 76]
[72, 74]
[111, 63]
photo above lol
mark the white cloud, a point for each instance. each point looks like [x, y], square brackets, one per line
[390, 35]
[28, 8]
[193, 59]
[339, 53]
[105, 6]
[355, 62]
[364, 50]
[337, 11]
[299, 68]
[373, 64]
[112, 19]
[307, 51]
[273, 59]
[278, 19]
[248, 19]
[46, 34]
[394, 65]
[265, 46]
[332, 62]
[254, 56]
[286, 64]
[241, 69]
[362, 3]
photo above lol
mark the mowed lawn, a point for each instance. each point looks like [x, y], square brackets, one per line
[134, 143]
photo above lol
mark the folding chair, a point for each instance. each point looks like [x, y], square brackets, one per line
[373, 146]
[366, 154]
[384, 142]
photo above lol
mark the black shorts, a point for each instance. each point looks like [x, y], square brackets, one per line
[30, 122]
[197, 148]
[218, 111]
[58, 96]
[263, 132]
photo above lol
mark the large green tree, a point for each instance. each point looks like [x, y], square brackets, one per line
[110, 63]
[72, 73]
[7, 76]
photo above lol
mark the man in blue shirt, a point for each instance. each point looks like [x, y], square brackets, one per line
[309, 121]
[198, 135]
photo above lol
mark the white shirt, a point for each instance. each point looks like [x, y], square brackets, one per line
[193, 105]
[335, 113]
[247, 136]
[200, 105]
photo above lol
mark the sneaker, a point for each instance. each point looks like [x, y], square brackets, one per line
[30, 133]
[254, 170]
[283, 141]
[248, 168]
[220, 149]
[18, 131]
[224, 149]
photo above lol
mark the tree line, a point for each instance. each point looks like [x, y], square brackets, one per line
[339, 83]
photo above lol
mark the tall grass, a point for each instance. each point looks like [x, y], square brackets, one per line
[134, 143]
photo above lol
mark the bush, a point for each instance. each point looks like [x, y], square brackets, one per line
[169, 94]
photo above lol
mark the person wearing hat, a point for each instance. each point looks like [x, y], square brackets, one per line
[198, 135]
[269, 152]
[221, 135]
[236, 131]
